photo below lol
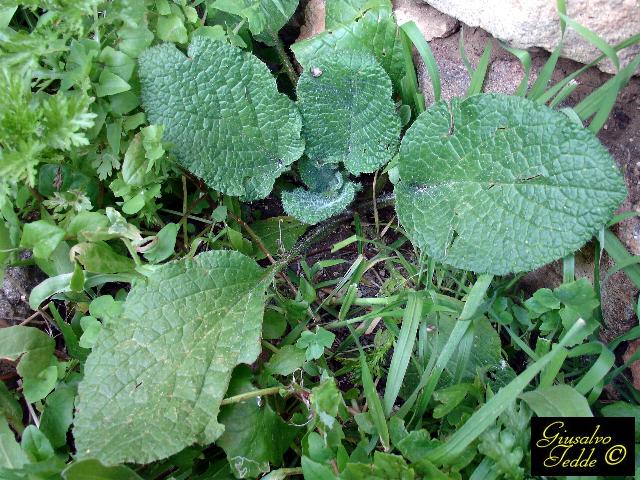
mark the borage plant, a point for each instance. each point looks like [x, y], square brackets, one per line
[484, 185]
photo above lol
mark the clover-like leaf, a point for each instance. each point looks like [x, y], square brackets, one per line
[500, 184]
[222, 115]
[315, 342]
[349, 116]
[154, 381]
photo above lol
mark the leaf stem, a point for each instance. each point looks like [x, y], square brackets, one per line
[252, 394]
[132, 251]
[284, 58]
[290, 471]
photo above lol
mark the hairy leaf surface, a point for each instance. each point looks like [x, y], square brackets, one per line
[312, 207]
[155, 379]
[267, 16]
[223, 115]
[341, 12]
[374, 32]
[349, 116]
[500, 184]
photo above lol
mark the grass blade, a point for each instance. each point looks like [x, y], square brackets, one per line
[545, 74]
[403, 349]
[525, 61]
[619, 253]
[561, 5]
[593, 38]
[463, 53]
[423, 48]
[371, 394]
[552, 91]
[375, 405]
[594, 378]
[474, 301]
[489, 412]
[569, 268]
[480, 73]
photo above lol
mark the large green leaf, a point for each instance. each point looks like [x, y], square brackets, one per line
[340, 12]
[255, 437]
[267, 16]
[348, 113]
[155, 379]
[500, 184]
[374, 32]
[223, 116]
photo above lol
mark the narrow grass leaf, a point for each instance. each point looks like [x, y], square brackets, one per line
[545, 74]
[480, 73]
[489, 412]
[550, 372]
[546, 96]
[472, 305]
[425, 52]
[569, 268]
[619, 253]
[463, 53]
[403, 349]
[410, 91]
[593, 38]
[525, 60]
[371, 394]
[594, 377]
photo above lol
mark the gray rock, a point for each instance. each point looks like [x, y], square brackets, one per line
[14, 294]
[535, 23]
[431, 22]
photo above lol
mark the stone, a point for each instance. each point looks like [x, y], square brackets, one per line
[14, 293]
[535, 23]
[313, 19]
[431, 22]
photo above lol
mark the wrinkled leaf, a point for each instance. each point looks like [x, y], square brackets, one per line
[347, 110]
[312, 207]
[500, 184]
[374, 32]
[159, 373]
[222, 114]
